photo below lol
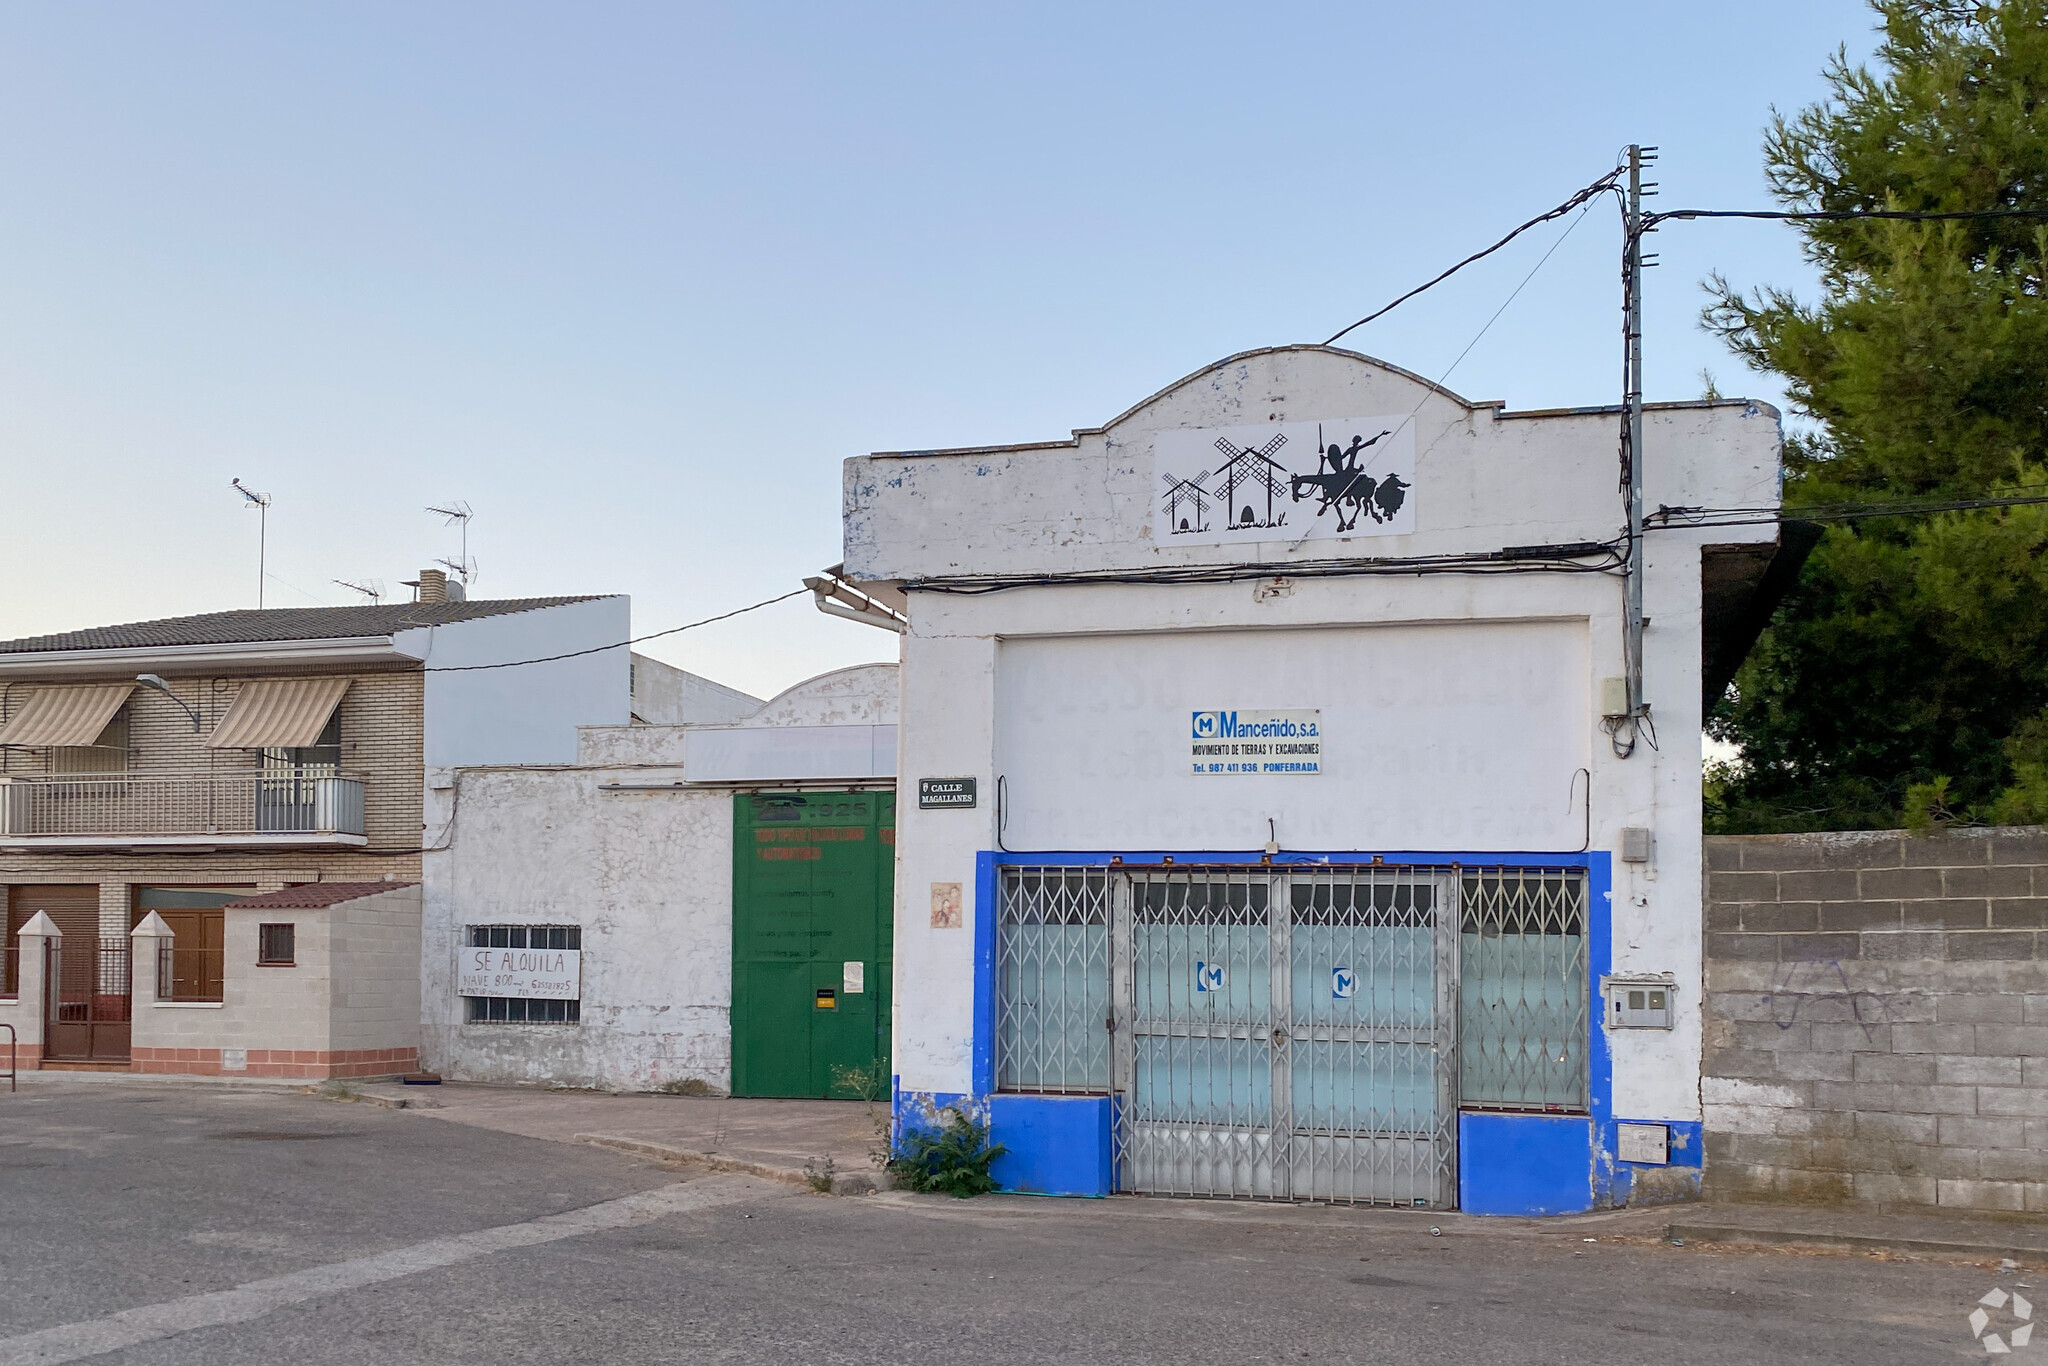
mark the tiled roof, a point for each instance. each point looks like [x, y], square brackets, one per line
[315, 896]
[279, 623]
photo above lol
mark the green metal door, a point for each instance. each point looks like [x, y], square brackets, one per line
[813, 887]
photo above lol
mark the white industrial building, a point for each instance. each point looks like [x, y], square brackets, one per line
[625, 912]
[1271, 821]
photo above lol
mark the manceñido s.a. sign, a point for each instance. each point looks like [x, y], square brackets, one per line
[1240, 742]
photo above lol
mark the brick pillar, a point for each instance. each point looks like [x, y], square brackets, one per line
[114, 901]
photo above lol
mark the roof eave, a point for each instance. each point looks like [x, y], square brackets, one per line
[129, 660]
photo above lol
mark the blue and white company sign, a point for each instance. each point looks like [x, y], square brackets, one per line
[1250, 742]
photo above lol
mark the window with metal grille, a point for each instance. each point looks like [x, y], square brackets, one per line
[1522, 989]
[516, 1010]
[1052, 998]
[526, 936]
[276, 945]
[512, 1010]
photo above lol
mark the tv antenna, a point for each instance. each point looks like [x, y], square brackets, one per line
[373, 589]
[261, 502]
[458, 512]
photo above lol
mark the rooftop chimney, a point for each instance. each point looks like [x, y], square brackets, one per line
[433, 585]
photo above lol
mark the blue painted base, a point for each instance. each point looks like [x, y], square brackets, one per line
[1525, 1164]
[1678, 1179]
[1058, 1145]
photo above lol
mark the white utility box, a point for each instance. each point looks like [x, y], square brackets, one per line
[1645, 1143]
[1639, 1002]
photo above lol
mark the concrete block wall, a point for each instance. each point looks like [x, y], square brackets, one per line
[1877, 1018]
[347, 1006]
[373, 946]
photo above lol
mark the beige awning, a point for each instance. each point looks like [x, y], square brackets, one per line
[278, 713]
[65, 716]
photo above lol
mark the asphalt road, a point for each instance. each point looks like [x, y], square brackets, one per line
[176, 1225]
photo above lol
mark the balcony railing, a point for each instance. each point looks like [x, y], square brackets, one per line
[269, 808]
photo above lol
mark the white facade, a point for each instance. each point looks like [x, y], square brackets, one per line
[527, 714]
[632, 848]
[1460, 712]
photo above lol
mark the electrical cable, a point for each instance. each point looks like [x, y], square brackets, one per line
[1651, 220]
[1688, 518]
[600, 649]
[1445, 378]
[1538, 559]
[1601, 186]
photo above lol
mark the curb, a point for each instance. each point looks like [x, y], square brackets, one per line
[843, 1183]
[369, 1098]
[1734, 1233]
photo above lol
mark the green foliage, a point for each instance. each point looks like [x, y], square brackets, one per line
[1927, 807]
[1898, 677]
[954, 1159]
[870, 1086]
[2025, 801]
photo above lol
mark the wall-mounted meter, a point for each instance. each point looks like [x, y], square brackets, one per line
[1639, 1002]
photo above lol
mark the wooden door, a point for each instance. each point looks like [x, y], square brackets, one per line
[195, 955]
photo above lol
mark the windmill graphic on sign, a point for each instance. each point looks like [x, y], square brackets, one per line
[1187, 493]
[1263, 479]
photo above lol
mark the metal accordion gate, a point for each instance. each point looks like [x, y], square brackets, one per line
[1276, 1033]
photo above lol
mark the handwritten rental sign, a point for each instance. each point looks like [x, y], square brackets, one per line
[521, 974]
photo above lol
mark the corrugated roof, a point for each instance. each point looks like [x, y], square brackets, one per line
[315, 895]
[280, 623]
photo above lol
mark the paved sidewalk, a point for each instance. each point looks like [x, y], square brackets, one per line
[2019, 1238]
[784, 1140]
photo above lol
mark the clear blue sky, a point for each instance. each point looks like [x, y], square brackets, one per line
[634, 279]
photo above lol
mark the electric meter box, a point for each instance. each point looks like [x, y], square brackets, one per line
[1649, 1144]
[1639, 1003]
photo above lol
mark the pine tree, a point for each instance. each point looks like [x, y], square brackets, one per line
[1905, 678]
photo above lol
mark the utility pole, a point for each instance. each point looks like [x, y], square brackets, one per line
[1638, 158]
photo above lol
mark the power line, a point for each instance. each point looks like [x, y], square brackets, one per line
[1445, 377]
[600, 649]
[1601, 186]
[1566, 557]
[1842, 215]
[1686, 518]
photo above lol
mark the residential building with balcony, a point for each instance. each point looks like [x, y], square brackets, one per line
[164, 786]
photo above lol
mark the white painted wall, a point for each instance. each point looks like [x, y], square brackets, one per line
[528, 714]
[648, 876]
[1450, 736]
[1480, 692]
[664, 695]
[838, 726]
